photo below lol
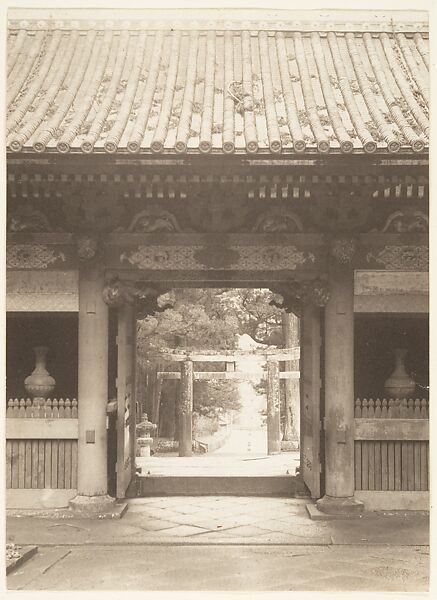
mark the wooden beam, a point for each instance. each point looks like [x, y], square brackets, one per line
[280, 354]
[228, 375]
[42, 429]
[391, 429]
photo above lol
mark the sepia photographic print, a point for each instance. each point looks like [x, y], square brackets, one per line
[217, 298]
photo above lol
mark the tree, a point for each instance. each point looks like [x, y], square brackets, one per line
[198, 320]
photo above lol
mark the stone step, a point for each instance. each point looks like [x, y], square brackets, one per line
[285, 485]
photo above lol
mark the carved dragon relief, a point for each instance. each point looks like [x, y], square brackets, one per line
[407, 220]
[154, 220]
[278, 220]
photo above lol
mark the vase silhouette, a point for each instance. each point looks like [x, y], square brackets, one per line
[400, 384]
[40, 383]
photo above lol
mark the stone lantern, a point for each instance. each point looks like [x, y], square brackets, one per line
[144, 439]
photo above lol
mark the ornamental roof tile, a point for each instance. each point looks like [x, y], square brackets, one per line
[222, 91]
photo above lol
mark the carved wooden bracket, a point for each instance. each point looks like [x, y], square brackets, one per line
[89, 248]
[296, 293]
[343, 249]
[147, 299]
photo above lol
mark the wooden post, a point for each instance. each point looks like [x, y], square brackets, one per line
[92, 480]
[186, 409]
[310, 397]
[290, 328]
[339, 394]
[273, 408]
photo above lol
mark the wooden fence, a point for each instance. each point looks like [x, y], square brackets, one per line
[392, 445]
[41, 444]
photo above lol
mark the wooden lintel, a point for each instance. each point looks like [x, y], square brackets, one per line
[42, 429]
[392, 429]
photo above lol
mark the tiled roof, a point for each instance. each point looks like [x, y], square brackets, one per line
[223, 91]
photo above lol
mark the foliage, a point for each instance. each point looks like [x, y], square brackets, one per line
[256, 316]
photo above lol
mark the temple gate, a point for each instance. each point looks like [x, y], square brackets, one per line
[291, 156]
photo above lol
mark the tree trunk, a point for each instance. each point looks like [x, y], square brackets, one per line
[290, 329]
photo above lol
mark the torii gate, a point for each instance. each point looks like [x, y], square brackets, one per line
[187, 375]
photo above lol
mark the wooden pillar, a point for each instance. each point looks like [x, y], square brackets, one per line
[310, 395]
[291, 331]
[186, 409]
[93, 391]
[339, 393]
[273, 408]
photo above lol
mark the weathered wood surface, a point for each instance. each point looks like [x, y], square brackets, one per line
[41, 464]
[49, 429]
[185, 409]
[273, 409]
[392, 429]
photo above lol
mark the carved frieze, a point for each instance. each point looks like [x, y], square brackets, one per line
[203, 258]
[401, 258]
[32, 256]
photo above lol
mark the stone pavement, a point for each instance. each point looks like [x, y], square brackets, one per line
[223, 543]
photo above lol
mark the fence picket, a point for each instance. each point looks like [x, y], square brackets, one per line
[61, 464]
[14, 463]
[365, 465]
[21, 462]
[41, 450]
[377, 465]
[74, 465]
[404, 466]
[47, 464]
[357, 408]
[34, 464]
[384, 466]
[8, 463]
[28, 472]
[377, 408]
[398, 466]
[417, 465]
[55, 445]
[357, 459]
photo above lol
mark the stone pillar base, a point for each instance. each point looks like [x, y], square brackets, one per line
[340, 506]
[91, 506]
